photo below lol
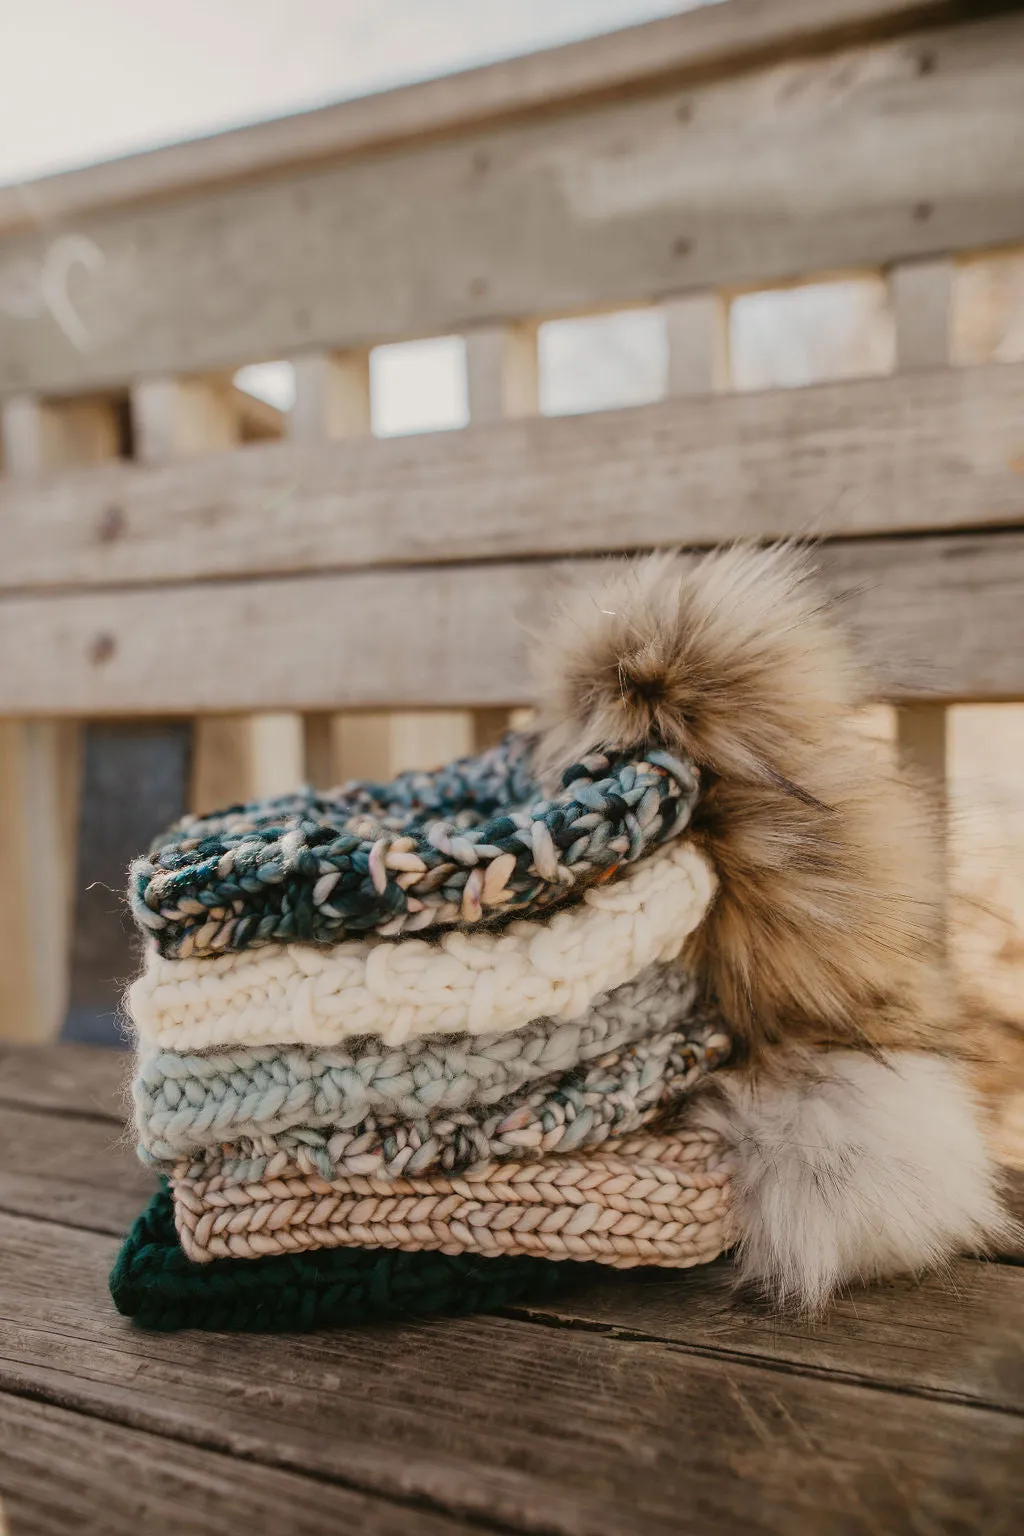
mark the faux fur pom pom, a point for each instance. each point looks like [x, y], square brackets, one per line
[849, 1168]
[826, 927]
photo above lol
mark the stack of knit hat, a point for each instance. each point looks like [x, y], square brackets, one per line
[411, 1047]
[439, 1016]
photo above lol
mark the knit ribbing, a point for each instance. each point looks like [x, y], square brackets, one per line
[663, 1201]
[483, 982]
[154, 1284]
[185, 1101]
[583, 1108]
[377, 858]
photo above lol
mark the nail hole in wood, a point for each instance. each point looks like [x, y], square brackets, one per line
[111, 525]
[101, 649]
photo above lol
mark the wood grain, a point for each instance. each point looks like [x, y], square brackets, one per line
[937, 618]
[682, 45]
[62, 1472]
[930, 452]
[956, 1334]
[859, 158]
[66, 1079]
[39, 800]
[899, 1411]
[72, 1171]
[529, 1427]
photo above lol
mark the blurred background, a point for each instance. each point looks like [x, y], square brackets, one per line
[81, 85]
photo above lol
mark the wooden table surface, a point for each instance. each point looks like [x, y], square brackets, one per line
[636, 1405]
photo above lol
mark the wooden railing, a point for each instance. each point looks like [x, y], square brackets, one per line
[158, 558]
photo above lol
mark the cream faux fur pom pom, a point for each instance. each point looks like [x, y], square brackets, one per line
[851, 1168]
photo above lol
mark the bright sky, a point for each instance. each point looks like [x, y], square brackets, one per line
[84, 80]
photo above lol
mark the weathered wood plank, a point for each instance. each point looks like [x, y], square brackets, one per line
[65, 1079]
[62, 1472]
[938, 618]
[573, 1432]
[956, 1334]
[73, 1171]
[860, 158]
[683, 45]
[937, 450]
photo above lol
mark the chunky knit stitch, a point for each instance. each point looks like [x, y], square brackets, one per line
[185, 1101]
[654, 1200]
[154, 1284]
[584, 1108]
[427, 851]
[482, 982]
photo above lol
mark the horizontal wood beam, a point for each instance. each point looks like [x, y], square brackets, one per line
[931, 451]
[712, 39]
[881, 152]
[940, 617]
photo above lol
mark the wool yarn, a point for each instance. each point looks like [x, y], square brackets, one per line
[583, 1108]
[188, 1100]
[663, 1201]
[481, 982]
[159, 1288]
[424, 852]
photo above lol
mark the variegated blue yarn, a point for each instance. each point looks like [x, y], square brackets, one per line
[187, 1101]
[475, 842]
[618, 1094]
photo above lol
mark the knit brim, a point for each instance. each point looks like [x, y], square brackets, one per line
[154, 1284]
[188, 1104]
[663, 1200]
[474, 843]
[477, 982]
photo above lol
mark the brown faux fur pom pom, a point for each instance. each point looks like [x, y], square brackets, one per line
[827, 924]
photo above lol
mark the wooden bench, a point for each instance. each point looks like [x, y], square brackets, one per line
[320, 602]
[161, 557]
[636, 1406]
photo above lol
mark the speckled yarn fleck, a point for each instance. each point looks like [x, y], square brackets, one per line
[154, 1284]
[581, 1109]
[474, 843]
[663, 1201]
[480, 982]
[187, 1101]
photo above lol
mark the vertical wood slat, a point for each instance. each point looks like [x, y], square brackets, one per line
[173, 418]
[332, 396]
[234, 757]
[921, 296]
[921, 293]
[39, 762]
[42, 436]
[332, 399]
[503, 381]
[501, 372]
[697, 331]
